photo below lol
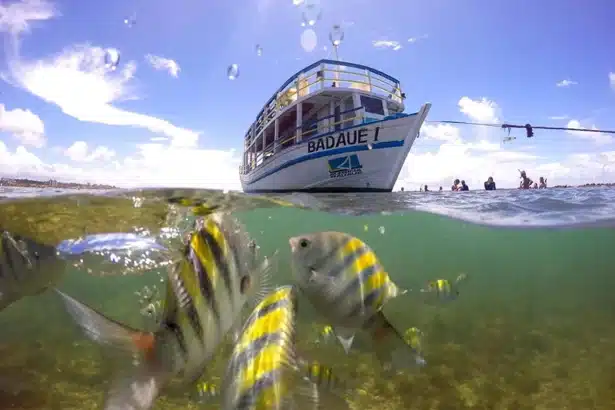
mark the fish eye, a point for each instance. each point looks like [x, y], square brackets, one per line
[244, 284]
[304, 243]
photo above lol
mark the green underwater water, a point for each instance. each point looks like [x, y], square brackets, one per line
[533, 327]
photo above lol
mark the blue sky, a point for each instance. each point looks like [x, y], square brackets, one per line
[505, 58]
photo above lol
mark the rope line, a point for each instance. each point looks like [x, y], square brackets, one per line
[528, 128]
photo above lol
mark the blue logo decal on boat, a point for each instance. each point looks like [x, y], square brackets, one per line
[345, 166]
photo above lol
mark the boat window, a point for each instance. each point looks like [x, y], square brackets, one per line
[310, 126]
[372, 105]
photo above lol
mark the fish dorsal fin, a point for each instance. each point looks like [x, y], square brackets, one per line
[170, 301]
[263, 280]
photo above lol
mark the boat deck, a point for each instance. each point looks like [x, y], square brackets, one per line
[292, 115]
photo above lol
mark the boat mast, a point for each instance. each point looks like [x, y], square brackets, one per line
[336, 36]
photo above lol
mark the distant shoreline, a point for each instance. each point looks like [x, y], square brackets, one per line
[52, 183]
[591, 185]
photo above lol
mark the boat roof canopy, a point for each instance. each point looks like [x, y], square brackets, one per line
[316, 64]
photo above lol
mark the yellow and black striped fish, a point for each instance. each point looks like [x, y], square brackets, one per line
[264, 372]
[444, 289]
[325, 335]
[26, 268]
[344, 280]
[206, 291]
[207, 392]
[322, 376]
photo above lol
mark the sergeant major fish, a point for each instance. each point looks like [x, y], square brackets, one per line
[343, 279]
[206, 291]
[443, 289]
[264, 371]
[26, 268]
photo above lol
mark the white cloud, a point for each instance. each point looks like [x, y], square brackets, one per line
[152, 165]
[597, 137]
[15, 17]
[559, 117]
[474, 154]
[612, 80]
[161, 63]
[483, 110]
[565, 83]
[78, 81]
[394, 45]
[80, 152]
[24, 125]
[441, 132]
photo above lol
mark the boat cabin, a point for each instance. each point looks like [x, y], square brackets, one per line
[322, 98]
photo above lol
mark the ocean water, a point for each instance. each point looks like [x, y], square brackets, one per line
[532, 328]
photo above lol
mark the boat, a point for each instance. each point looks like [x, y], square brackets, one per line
[332, 127]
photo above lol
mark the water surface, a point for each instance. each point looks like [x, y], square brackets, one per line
[532, 328]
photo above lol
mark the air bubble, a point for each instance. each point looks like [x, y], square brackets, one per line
[381, 230]
[309, 40]
[311, 12]
[112, 58]
[232, 72]
[130, 21]
[370, 146]
[259, 50]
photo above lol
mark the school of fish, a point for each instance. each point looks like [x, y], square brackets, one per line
[217, 289]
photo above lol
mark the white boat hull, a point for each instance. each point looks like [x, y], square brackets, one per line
[363, 158]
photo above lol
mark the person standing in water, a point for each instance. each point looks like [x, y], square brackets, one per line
[542, 183]
[490, 184]
[464, 187]
[426, 189]
[526, 182]
[455, 186]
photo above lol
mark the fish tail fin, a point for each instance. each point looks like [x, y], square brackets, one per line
[345, 337]
[393, 290]
[390, 346]
[461, 277]
[346, 342]
[137, 389]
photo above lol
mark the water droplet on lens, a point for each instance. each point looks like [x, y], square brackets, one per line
[259, 50]
[311, 11]
[381, 230]
[336, 36]
[112, 58]
[130, 21]
[309, 40]
[232, 72]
